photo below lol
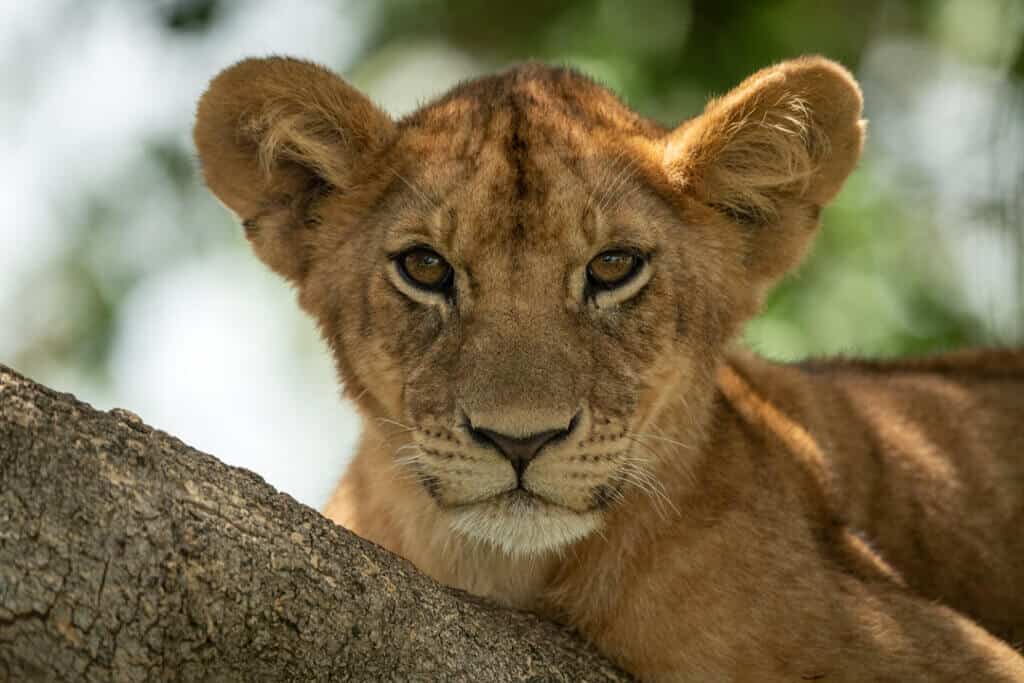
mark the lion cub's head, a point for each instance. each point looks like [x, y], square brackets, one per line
[525, 272]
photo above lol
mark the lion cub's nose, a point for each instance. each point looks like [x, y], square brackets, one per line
[520, 450]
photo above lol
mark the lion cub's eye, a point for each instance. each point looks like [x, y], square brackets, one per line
[425, 268]
[613, 268]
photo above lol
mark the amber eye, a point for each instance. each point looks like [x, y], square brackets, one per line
[612, 268]
[425, 268]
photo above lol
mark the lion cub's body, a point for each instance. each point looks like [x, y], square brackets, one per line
[824, 491]
[562, 435]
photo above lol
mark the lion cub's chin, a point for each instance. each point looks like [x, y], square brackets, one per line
[520, 525]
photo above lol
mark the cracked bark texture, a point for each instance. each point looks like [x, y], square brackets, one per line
[125, 555]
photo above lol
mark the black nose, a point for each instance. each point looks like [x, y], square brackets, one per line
[520, 450]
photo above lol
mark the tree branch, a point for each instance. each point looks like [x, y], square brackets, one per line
[126, 555]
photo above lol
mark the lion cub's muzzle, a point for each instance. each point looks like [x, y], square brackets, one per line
[573, 461]
[503, 481]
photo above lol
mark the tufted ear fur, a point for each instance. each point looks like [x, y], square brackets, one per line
[273, 134]
[770, 154]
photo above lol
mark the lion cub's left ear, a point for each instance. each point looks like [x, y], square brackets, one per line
[770, 154]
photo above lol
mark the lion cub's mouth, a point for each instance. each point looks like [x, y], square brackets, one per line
[517, 500]
[520, 498]
[520, 522]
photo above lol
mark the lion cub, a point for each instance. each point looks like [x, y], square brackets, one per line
[530, 292]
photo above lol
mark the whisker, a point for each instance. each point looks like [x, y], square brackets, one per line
[630, 478]
[384, 440]
[636, 469]
[394, 422]
[623, 196]
[648, 435]
[626, 173]
[602, 184]
[406, 467]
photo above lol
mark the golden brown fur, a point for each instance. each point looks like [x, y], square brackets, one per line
[705, 515]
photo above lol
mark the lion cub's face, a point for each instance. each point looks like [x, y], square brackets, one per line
[519, 288]
[518, 277]
[520, 300]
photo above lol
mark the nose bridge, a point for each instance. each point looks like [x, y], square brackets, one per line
[518, 374]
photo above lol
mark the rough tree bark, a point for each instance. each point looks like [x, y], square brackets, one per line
[125, 555]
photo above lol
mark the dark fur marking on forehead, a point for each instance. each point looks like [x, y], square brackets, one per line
[567, 94]
[517, 147]
[519, 104]
[518, 111]
[474, 135]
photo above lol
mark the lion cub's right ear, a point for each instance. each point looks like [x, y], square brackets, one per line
[272, 134]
